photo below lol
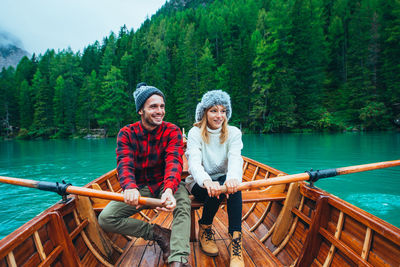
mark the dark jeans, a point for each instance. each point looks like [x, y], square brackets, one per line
[211, 205]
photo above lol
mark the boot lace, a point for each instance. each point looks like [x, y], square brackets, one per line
[236, 247]
[209, 233]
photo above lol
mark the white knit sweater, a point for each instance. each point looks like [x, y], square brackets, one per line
[213, 160]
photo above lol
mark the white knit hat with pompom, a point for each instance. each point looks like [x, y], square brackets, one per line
[213, 98]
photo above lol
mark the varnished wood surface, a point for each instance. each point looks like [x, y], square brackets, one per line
[145, 253]
[331, 232]
[364, 239]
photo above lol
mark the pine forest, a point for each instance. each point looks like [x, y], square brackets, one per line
[288, 65]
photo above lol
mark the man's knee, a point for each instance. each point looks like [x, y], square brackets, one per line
[183, 204]
[106, 221]
[182, 197]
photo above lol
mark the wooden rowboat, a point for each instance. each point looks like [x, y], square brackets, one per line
[283, 225]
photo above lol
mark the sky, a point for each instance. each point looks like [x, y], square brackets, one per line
[37, 25]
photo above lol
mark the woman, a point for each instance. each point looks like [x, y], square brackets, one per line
[214, 158]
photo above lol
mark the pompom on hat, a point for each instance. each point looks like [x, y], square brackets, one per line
[213, 98]
[143, 92]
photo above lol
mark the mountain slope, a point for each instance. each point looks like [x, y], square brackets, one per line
[10, 56]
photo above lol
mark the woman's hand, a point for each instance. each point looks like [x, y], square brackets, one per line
[231, 186]
[213, 188]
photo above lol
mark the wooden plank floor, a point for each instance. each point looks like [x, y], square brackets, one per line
[144, 253]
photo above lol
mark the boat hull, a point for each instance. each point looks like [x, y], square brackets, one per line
[283, 225]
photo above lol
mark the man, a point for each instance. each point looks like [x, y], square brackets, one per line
[149, 164]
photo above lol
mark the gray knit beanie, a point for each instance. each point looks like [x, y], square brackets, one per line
[143, 92]
[213, 98]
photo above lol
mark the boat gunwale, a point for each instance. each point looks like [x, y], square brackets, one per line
[367, 219]
[264, 166]
[9, 242]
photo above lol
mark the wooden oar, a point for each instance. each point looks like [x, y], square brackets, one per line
[62, 189]
[313, 176]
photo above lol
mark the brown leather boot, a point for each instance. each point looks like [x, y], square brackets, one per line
[236, 250]
[207, 240]
[161, 236]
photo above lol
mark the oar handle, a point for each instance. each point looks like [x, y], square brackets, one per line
[271, 181]
[145, 201]
[314, 175]
[59, 188]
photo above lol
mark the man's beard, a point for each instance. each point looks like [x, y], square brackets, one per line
[149, 121]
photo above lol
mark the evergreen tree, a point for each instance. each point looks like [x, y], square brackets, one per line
[337, 40]
[114, 100]
[26, 102]
[26, 68]
[223, 77]
[71, 99]
[67, 65]
[363, 64]
[162, 79]
[44, 63]
[88, 102]
[215, 27]
[240, 58]
[187, 85]
[308, 61]
[139, 54]
[207, 67]
[126, 67]
[42, 125]
[43, 112]
[273, 102]
[91, 58]
[108, 58]
[59, 107]
[9, 117]
[123, 43]
[390, 21]
[127, 71]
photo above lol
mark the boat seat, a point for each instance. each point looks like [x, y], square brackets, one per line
[247, 197]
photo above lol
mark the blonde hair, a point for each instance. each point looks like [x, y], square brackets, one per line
[202, 124]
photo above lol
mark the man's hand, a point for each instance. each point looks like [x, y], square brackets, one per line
[231, 186]
[213, 188]
[168, 198]
[131, 197]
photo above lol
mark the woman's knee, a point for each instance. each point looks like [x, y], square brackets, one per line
[235, 196]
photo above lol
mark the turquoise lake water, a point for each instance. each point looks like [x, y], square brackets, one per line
[80, 161]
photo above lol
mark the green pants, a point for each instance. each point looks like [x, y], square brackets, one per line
[115, 218]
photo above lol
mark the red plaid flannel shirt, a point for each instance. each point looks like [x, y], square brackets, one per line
[150, 159]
